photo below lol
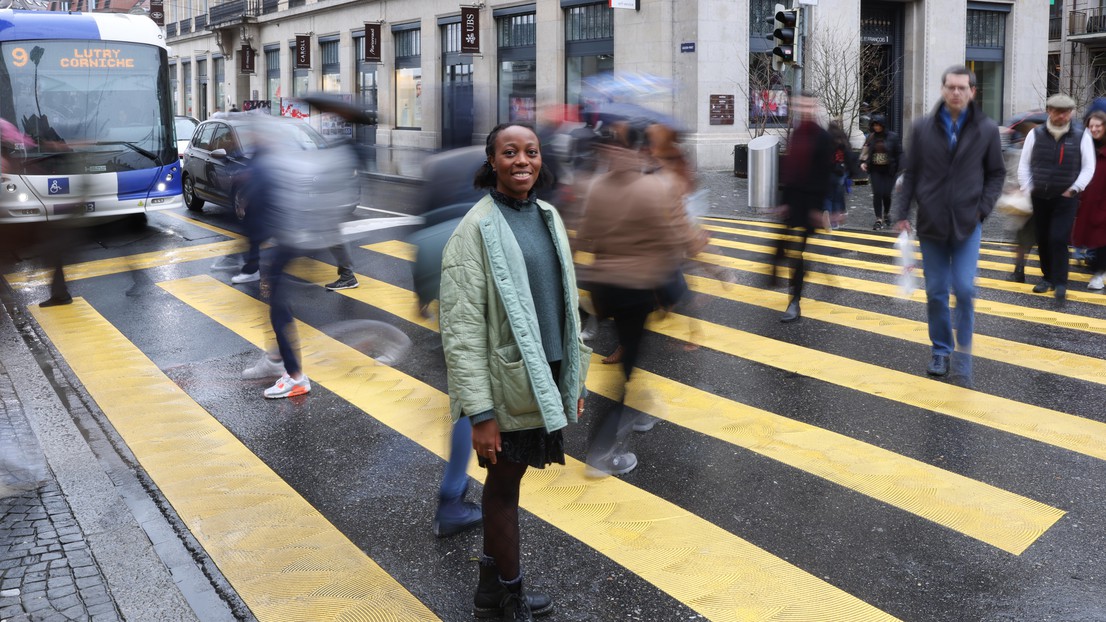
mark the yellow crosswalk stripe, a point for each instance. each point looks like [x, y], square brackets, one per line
[882, 251]
[1049, 360]
[1087, 368]
[1046, 317]
[139, 261]
[738, 225]
[715, 573]
[284, 559]
[847, 262]
[997, 517]
[1055, 428]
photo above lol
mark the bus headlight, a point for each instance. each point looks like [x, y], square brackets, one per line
[161, 187]
[10, 187]
[21, 197]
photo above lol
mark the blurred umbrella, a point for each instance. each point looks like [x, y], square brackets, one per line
[624, 85]
[383, 342]
[336, 105]
[637, 115]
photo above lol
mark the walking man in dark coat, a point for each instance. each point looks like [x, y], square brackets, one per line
[805, 175]
[954, 172]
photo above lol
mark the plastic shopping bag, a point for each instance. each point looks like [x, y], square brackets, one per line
[908, 280]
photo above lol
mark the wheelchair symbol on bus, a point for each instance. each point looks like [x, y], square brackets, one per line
[58, 185]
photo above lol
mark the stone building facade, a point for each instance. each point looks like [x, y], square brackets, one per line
[536, 55]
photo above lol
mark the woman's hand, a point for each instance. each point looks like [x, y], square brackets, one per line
[579, 408]
[485, 440]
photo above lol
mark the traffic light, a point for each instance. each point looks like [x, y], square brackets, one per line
[777, 25]
[786, 36]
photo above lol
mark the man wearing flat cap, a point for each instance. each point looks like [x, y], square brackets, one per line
[1057, 163]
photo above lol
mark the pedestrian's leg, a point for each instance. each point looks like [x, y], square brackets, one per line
[500, 501]
[1042, 217]
[936, 262]
[964, 262]
[1063, 217]
[454, 514]
[280, 314]
[343, 259]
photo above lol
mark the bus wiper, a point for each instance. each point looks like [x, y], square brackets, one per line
[149, 154]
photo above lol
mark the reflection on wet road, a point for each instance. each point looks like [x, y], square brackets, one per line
[808, 472]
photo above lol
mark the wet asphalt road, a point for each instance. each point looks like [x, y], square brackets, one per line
[379, 488]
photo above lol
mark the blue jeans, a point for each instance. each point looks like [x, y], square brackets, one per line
[951, 265]
[456, 478]
[280, 309]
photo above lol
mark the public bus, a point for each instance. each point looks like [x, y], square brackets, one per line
[86, 120]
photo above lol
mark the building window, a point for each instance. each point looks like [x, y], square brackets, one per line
[589, 48]
[986, 52]
[332, 79]
[187, 77]
[219, 67]
[272, 77]
[408, 45]
[366, 89]
[174, 86]
[201, 77]
[518, 67]
[762, 15]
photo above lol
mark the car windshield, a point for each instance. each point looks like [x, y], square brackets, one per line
[184, 126]
[289, 135]
[86, 106]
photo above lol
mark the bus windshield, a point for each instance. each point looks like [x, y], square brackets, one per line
[85, 106]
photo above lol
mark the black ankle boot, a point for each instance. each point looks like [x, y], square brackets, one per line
[491, 595]
[515, 606]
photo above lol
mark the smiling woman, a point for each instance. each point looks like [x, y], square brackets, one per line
[514, 358]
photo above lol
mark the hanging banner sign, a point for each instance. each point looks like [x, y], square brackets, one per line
[470, 30]
[157, 12]
[372, 43]
[246, 59]
[303, 51]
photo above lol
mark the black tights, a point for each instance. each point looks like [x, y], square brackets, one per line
[500, 501]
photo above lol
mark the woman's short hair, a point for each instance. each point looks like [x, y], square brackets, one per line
[485, 175]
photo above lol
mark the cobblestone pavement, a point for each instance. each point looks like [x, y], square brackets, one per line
[47, 572]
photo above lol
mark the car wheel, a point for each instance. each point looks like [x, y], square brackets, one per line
[240, 203]
[193, 202]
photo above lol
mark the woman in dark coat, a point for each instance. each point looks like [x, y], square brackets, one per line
[880, 158]
[1090, 222]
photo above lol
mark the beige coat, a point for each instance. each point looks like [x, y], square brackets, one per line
[635, 224]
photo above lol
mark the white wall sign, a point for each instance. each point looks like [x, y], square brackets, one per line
[623, 4]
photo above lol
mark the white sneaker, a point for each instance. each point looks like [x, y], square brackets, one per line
[591, 328]
[246, 277]
[265, 368]
[288, 387]
[1096, 282]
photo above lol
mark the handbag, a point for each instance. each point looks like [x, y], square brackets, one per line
[1014, 203]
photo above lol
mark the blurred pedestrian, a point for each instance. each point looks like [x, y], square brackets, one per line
[306, 199]
[805, 175]
[635, 225]
[845, 166]
[954, 171]
[1057, 163]
[514, 360]
[880, 158]
[1090, 221]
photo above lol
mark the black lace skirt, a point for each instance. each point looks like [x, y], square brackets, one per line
[535, 448]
